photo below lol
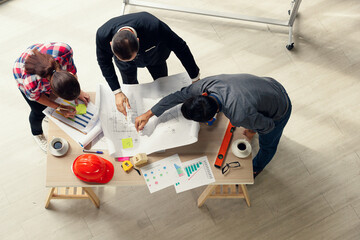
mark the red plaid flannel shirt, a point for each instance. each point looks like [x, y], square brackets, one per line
[33, 85]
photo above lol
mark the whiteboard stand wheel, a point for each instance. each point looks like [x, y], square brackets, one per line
[290, 46]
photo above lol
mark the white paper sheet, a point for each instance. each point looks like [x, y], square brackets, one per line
[82, 122]
[92, 130]
[192, 174]
[99, 143]
[170, 130]
[161, 174]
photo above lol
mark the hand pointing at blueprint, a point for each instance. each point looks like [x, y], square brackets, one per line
[170, 130]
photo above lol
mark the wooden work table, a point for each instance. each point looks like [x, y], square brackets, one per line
[59, 173]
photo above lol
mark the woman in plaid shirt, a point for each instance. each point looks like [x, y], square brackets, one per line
[44, 72]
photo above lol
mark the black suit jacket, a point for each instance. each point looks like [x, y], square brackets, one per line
[155, 37]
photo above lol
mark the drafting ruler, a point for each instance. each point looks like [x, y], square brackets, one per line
[224, 146]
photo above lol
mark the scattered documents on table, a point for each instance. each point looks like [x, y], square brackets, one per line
[183, 176]
[81, 122]
[194, 173]
[82, 128]
[161, 174]
[170, 130]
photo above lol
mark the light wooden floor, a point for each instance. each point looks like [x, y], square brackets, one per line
[311, 190]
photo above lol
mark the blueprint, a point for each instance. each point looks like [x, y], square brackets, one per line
[170, 130]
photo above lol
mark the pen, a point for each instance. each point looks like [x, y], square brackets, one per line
[65, 109]
[89, 151]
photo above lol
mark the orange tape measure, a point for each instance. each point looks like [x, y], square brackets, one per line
[224, 145]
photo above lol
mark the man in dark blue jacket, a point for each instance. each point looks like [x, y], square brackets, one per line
[138, 40]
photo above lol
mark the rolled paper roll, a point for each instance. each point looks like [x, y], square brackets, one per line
[241, 148]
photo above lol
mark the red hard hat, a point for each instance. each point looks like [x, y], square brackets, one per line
[92, 168]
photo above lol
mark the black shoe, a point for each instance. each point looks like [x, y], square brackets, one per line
[257, 173]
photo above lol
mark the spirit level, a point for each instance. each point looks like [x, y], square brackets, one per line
[224, 146]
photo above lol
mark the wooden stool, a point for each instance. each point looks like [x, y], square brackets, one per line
[72, 193]
[224, 191]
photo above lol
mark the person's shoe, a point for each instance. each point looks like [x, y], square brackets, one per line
[257, 173]
[46, 119]
[41, 141]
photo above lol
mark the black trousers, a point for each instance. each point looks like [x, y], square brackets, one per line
[129, 71]
[36, 116]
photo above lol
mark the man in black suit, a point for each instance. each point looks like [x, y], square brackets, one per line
[138, 40]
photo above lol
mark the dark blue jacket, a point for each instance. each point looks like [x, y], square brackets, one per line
[151, 32]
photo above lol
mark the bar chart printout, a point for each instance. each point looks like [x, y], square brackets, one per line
[196, 173]
[84, 122]
[192, 169]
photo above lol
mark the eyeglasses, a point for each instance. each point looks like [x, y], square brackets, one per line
[226, 168]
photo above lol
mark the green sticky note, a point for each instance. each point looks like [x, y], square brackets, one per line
[81, 109]
[127, 143]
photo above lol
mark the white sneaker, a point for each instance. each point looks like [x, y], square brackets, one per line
[41, 141]
[46, 119]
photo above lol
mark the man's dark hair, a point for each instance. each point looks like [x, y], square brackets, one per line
[125, 44]
[65, 85]
[200, 108]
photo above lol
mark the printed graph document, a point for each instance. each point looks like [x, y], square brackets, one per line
[192, 174]
[83, 128]
[170, 130]
[161, 174]
[171, 171]
[84, 122]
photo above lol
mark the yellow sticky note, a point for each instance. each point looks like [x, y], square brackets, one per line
[81, 109]
[127, 143]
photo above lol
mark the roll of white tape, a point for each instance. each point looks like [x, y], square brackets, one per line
[241, 148]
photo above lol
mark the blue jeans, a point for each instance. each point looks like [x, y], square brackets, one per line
[268, 142]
